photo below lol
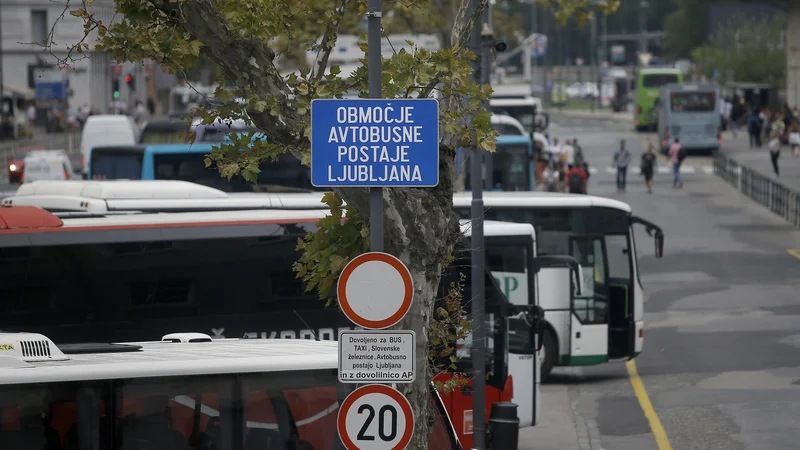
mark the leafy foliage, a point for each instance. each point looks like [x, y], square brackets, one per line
[449, 326]
[579, 10]
[327, 250]
[746, 50]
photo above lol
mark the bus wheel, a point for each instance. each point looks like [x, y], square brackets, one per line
[550, 349]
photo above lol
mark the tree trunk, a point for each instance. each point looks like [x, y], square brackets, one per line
[420, 228]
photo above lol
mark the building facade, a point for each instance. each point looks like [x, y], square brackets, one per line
[28, 23]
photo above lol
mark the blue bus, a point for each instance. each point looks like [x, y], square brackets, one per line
[690, 113]
[509, 168]
[186, 162]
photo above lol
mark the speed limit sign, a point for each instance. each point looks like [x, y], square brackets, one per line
[375, 417]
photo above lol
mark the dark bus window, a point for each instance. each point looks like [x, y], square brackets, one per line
[115, 292]
[284, 174]
[511, 168]
[658, 80]
[116, 165]
[504, 128]
[524, 113]
[155, 137]
[693, 102]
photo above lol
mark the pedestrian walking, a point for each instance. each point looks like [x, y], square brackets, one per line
[648, 167]
[754, 129]
[794, 137]
[677, 154]
[622, 158]
[775, 153]
[576, 180]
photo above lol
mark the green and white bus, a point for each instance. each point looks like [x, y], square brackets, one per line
[648, 85]
[605, 322]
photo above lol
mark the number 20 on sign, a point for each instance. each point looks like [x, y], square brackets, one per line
[375, 417]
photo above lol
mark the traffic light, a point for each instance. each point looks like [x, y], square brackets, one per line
[115, 87]
[129, 81]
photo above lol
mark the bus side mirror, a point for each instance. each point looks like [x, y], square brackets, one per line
[659, 240]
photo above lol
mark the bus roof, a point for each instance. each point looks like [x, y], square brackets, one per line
[123, 196]
[173, 357]
[497, 228]
[513, 139]
[539, 199]
[690, 87]
[197, 147]
[658, 70]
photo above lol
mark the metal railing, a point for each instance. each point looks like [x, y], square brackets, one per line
[765, 191]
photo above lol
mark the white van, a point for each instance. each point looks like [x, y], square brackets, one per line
[46, 165]
[108, 129]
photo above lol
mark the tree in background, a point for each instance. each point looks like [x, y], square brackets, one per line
[746, 50]
[687, 27]
[243, 39]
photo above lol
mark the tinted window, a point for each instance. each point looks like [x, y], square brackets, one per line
[658, 80]
[161, 136]
[693, 102]
[135, 291]
[511, 168]
[618, 256]
[504, 128]
[295, 409]
[284, 174]
[524, 113]
[218, 133]
[116, 165]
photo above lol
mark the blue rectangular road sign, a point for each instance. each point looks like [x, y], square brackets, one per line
[375, 143]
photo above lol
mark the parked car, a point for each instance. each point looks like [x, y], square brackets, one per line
[46, 165]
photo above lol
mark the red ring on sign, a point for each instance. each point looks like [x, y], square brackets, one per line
[341, 289]
[341, 419]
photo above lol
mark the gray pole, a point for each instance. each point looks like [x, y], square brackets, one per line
[374, 67]
[2, 66]
[642, 26]
[593, 56]
[478, 313]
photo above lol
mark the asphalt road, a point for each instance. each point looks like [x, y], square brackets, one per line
[720, 365]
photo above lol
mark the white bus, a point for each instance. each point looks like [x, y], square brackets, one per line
[605, 322]
[124, 260]
[186, 391]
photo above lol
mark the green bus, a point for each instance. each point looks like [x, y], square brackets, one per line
[648, 83]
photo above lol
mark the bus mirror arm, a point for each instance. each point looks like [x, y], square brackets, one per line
[542, 262]
[653, 231]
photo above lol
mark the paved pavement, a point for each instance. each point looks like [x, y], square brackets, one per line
[719, 365]
[759, 159]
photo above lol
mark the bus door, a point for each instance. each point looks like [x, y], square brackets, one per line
[510, 260]
[458, 402]
[589, 310]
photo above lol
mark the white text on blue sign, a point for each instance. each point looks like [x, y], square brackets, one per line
[374, 143]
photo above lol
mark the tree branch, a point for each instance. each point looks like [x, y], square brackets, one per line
[328, 42]
[462, 30]
[247, 62]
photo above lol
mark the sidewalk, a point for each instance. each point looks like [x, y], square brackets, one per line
[758, 159]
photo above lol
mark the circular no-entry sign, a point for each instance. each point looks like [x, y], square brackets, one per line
[375, 290]
[375, 417]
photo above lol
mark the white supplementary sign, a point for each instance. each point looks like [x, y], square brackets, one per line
[377, 356]
[375, 417]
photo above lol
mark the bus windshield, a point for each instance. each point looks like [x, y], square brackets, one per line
[555, 226]
[511, 168]
[523, 113]
[692, 102]
[162, 136]
[655, 80]
[116, 165]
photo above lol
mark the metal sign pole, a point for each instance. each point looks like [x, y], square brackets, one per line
[374, 73]
[478, 292]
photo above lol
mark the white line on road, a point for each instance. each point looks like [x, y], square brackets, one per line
[661, 169]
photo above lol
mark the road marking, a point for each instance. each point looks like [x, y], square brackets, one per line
[644, 401]
[708, 170]
[794, 252]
